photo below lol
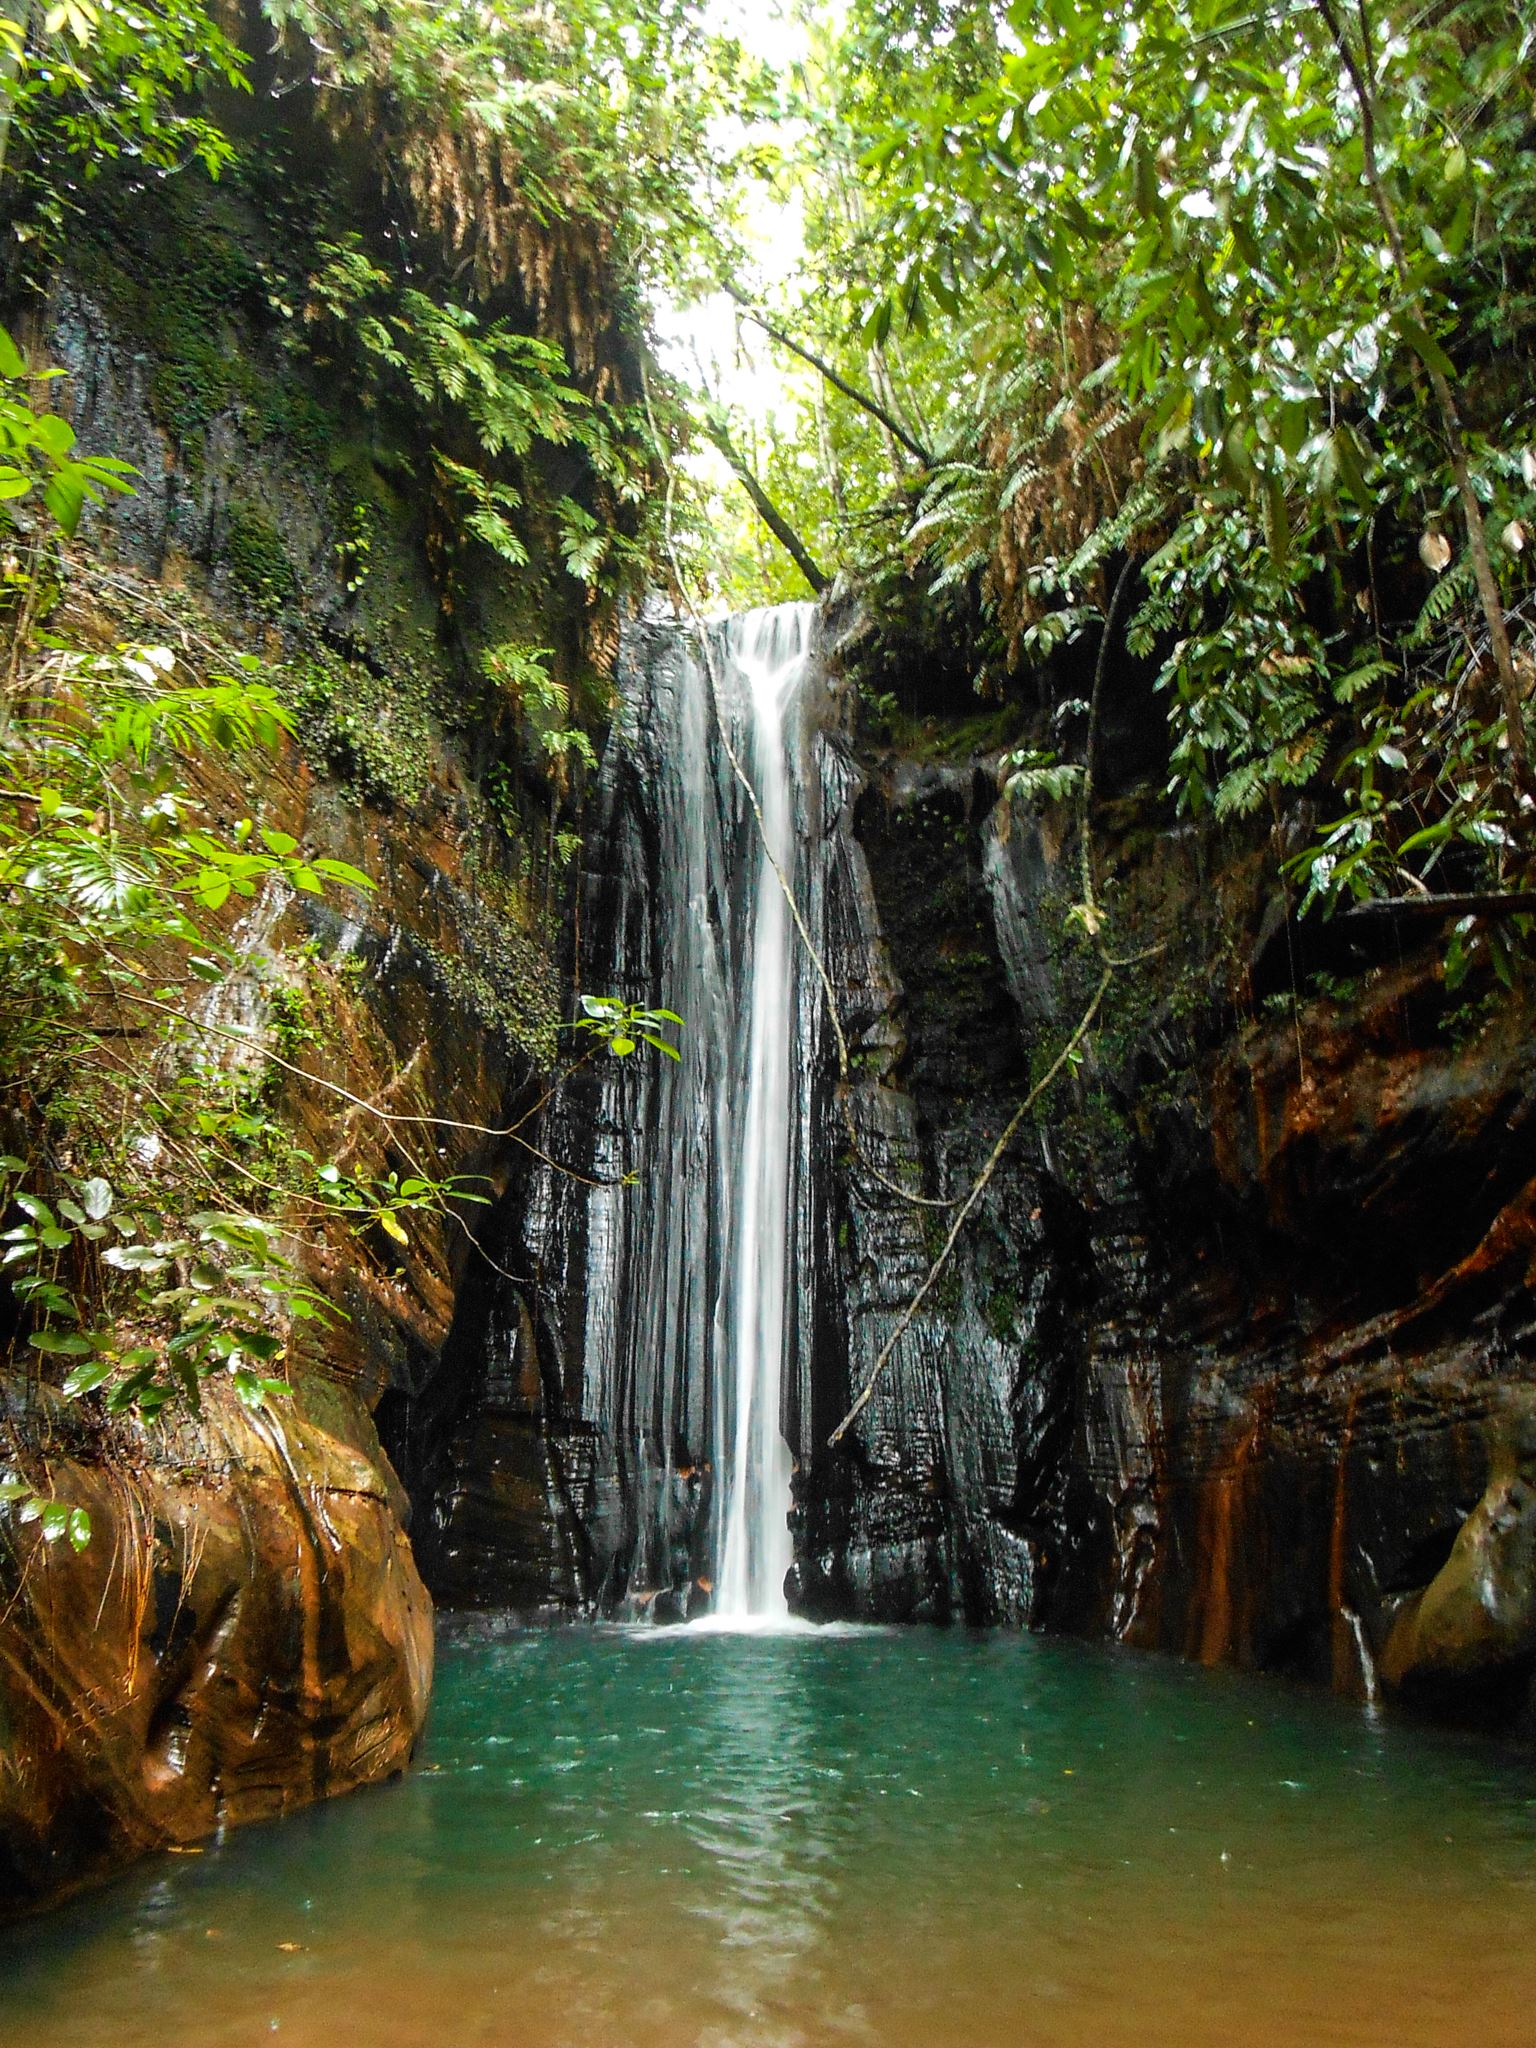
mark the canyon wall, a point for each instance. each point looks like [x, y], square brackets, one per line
[1231, 1359]
[247, 1628]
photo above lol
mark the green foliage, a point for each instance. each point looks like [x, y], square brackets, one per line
[490, 399]
[371, 730]
[1138, 273]
[522, 675]
[383, 1199]
[91, 82]
[259, 564]
[38, 461]
[54, 1518]
[109, 864]
[622, 1026]
[1038, 777]
[157, 1309]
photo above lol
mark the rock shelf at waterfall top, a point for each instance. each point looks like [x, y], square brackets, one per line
[667, 1839]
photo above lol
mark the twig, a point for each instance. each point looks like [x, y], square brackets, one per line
[387, 1116]
[978, 1186]
[839, 383]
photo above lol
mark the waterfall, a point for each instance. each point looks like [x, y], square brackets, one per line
[685, 1269]
[767, 651]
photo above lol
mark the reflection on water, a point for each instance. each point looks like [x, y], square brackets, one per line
[680, 1840]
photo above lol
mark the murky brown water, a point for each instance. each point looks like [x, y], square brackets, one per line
[913, 1839]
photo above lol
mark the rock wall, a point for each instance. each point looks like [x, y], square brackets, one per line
[1266, 1256]
[1240, 1332]
[246, 1631]
[247, 1628]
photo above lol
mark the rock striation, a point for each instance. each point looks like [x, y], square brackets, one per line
[1230, 1349]
[245, 1632]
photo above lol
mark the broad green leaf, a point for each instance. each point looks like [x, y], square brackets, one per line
[60, 1343]
[89, 1374]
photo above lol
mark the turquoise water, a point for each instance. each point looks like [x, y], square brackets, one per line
[867, 1837]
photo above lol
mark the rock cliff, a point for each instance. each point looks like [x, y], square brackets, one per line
[1233, 1345]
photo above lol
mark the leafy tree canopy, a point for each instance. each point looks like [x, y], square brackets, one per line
[1241, 296]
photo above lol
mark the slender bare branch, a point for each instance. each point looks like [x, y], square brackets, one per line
[862, 399]
[978, 1187]
[767, 511]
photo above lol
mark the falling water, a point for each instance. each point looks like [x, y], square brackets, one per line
[768, 654]
[684, 1257]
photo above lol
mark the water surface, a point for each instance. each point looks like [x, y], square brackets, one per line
[915, 1839]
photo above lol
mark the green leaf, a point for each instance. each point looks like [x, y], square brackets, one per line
[342, 871]
[88, 1375]
[135, 1258]
[53, 434]
[64, 495]
[1424, 345]
[79, 1529]
[64, 1343]
[262, 1344]
[279, 842]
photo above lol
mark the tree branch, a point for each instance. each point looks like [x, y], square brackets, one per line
[1430, 909]
[860, 398]
[767, 511]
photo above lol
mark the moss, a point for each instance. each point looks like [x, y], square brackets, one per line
[946, 1295]
[1001, 1313]
[176, 268]
[373, 732]
[258, 563]
[943, 739]
[506, 980]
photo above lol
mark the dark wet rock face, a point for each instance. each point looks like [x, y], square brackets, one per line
[1226, 1355]
[1468, 1640]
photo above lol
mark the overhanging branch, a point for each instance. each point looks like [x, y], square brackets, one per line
[839, 383]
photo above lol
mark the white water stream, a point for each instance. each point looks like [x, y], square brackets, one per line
[767, 654]
[688, 1256]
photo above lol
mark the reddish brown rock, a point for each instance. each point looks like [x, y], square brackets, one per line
[245, 1632]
